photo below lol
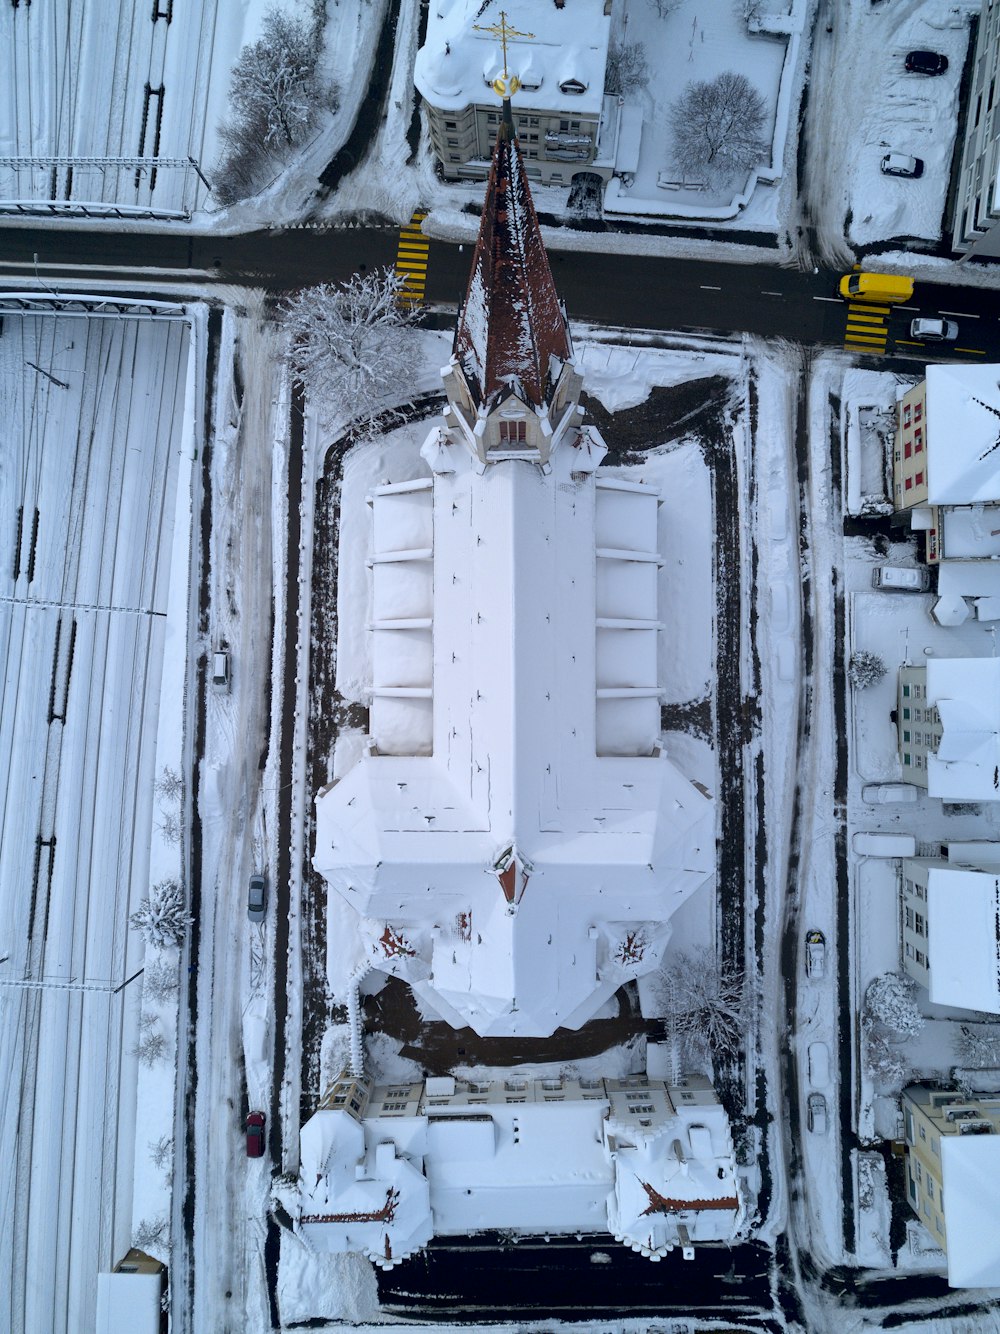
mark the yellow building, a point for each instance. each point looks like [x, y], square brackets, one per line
[953, 1178]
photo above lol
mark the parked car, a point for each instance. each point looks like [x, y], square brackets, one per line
[255, 1134]
[934, 330]
[816, 1113]
[925, 62]
[901, 578]
[884, 845]
[815, 954]
[257, 898]
[819, 1064]
[899, 164]
[881, 794]
[220, 670]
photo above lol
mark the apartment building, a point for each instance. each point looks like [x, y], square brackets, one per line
[976, 224]
[949, 909]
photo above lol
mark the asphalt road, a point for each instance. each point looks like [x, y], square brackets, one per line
[604, 288]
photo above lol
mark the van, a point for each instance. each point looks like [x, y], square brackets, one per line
[220, 670]
[901, 578]
[891, 288]
[884, 845]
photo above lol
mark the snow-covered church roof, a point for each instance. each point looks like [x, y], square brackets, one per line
[511, 333]
[520, 854]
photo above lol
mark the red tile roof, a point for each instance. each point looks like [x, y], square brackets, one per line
[512, 323]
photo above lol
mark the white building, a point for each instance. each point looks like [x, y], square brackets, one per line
[950, 928]
[515, 840]
[650, 1162]
[976, 227]
[948, 721]
[557, 54]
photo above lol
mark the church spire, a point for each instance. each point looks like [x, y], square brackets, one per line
[512, 332]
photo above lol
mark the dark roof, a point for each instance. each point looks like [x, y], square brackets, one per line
[512, 323]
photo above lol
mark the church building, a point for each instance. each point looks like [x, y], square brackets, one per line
[515, 838]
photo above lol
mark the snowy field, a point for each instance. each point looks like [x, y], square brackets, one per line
[94, 415]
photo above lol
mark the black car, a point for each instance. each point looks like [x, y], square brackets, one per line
[925, 62]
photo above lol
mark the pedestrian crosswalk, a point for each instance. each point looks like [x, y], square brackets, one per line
[411, 260]
[866, 326]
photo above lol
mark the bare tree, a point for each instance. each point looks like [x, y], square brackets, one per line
[626, 70]
[664, 8]
[160, 981]
[169, 785]
[706, 1001]
[978, 1046]
[152, 1232]
[162, 916]
[716, 126]
[866, 669]
[161, 1151]
[350, 344]
[152, 1047]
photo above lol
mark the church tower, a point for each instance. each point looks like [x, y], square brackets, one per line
[512, 383]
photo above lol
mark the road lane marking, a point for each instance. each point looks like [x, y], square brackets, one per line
[973, 351]
[706, 288]
[962, 314]
[836, 299]
[411, 260]
[765, 292]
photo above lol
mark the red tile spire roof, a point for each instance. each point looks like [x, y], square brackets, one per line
[512, 323]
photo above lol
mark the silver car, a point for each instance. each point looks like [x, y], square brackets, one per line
[257, 898]
[816, 1113]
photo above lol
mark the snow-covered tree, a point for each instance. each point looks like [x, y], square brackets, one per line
[978, 1046]
[866, 669]
[716, 126]
[705, 1001]
[274, 83]
[884, 1062]
[890, 1000]
[162, 917]
[275, 96]
[350, 345]
[169, 785]
[626, 70]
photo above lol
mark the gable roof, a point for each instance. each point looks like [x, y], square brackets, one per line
[511, 325]
[970, 1172]
[963, 938]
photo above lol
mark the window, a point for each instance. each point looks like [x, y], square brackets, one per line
[920, 1175]
[918, 925]
[451, 125]
[896, 455]
[641, 1108]
[906, 715]
[906, 692]
[909, 950]
[930, 1188]
[918, 439]
[454, 157]
[906, 415]
[921, 959]
[918, 412]
[513, 432]
[906, 758]
[908, 484]
[516, 1100]
[913, 1189]
[906, 738]
[452, 143]
[920, 479]
[907, 450]
[908, 918]
[923, 1132]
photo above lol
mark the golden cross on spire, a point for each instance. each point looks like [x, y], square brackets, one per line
[507, 84]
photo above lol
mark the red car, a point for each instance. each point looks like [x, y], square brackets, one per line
[255, 1134]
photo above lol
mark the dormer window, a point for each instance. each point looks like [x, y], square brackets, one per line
[573, 87]
[513, 432]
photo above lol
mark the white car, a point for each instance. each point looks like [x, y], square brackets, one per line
[816, 1113]
[934, 331]
[819, 1064]
[901, 578]
[815, 954]
[900, 164]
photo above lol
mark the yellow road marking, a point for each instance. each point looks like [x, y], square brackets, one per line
[974, 351]
[412, 251]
